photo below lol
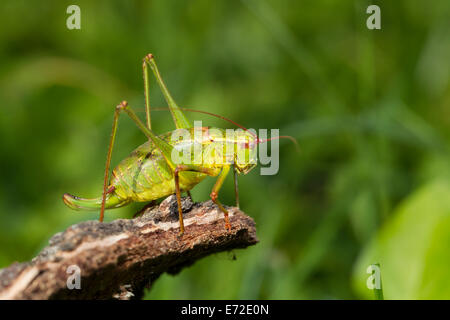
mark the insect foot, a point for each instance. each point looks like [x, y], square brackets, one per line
[214, 196]
[228, 225]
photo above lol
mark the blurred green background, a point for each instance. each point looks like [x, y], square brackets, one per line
[369, 108]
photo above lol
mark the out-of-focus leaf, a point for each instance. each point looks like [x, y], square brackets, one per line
[412, 248]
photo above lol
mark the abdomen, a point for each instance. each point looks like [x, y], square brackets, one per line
[145, 176]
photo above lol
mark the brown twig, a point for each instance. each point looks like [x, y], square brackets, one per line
[121, 258]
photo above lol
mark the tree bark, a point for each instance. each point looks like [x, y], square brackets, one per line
[117, 260]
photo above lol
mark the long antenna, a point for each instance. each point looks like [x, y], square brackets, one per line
[208, 113]
[236, 124]
[282, 137]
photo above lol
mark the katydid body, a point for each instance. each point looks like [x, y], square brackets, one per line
[149, 173]
[145, 175]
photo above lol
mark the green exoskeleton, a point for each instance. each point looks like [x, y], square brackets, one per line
[150, 172]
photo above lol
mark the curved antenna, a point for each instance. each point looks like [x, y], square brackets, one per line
[236, 124]
[211, 114]
[282, 137]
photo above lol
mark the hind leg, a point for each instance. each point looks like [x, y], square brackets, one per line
[163, 146]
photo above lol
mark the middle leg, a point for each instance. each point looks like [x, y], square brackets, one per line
[187, 167]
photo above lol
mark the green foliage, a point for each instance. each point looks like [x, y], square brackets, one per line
[369, 108]
[412, 247]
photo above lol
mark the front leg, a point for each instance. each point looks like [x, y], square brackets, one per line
[215, 193]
